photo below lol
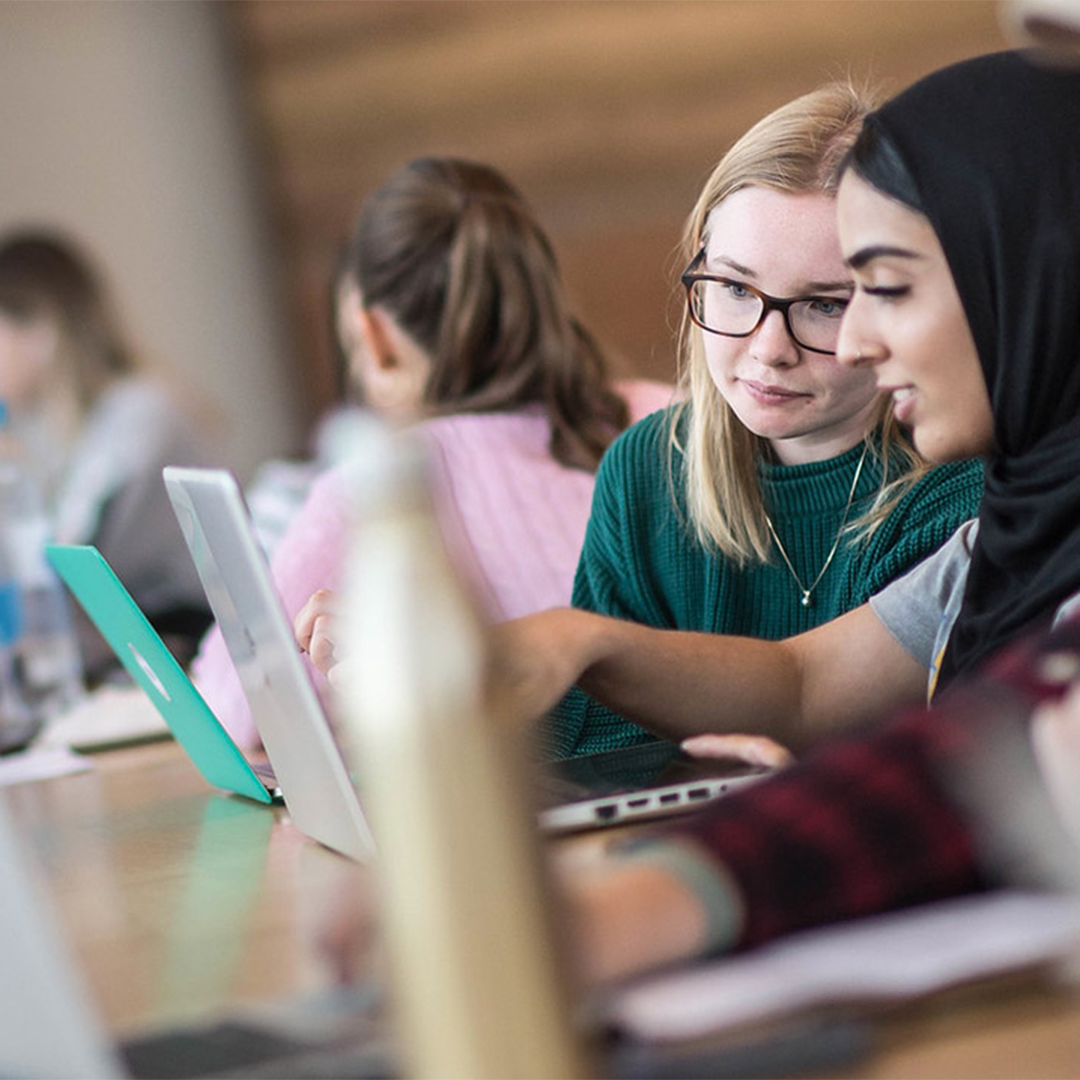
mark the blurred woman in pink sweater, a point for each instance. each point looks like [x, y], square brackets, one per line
[452, 315]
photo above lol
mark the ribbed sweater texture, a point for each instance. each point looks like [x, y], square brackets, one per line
[641, 560]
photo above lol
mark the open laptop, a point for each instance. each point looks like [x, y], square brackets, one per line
[305, 767]
[596, 790]
[307, 764]
[148, 661]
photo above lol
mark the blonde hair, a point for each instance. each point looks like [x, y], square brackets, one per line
[795, 150]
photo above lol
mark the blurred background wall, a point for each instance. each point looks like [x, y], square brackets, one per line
[213, 154]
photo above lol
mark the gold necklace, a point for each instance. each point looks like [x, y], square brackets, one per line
[806, 593]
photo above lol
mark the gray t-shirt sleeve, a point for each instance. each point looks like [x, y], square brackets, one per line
[919, 609]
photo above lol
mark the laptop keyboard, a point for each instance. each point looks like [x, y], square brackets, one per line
[235, 1049]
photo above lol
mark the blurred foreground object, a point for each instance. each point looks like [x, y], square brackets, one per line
[47, 667]
[476, 980]
[1053, 24]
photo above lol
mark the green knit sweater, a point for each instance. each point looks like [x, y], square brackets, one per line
[641, 560]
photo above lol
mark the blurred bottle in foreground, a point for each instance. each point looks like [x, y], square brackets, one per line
[477, 986]
[46, 662]
[16, 726]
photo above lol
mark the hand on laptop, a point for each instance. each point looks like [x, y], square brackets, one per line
[314, 629]
[753, 749]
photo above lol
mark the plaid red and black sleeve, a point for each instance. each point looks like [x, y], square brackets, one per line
[881, 819]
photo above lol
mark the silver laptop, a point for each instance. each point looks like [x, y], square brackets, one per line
[308, 767]
[635, 783]
[593, 791]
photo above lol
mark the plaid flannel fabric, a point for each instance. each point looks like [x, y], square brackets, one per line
[879, 820]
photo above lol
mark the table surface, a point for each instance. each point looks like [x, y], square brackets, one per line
[180, 903]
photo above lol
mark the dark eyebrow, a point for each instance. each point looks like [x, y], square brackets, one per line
[879, 251]
[812, 287]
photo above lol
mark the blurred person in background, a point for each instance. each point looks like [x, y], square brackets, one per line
[451, 311]
[96, 428]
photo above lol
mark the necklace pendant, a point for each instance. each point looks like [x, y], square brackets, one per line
[805, 599]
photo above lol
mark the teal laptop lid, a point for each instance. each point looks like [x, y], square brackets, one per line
[146, 658]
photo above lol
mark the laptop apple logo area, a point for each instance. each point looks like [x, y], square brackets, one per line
[149, 672]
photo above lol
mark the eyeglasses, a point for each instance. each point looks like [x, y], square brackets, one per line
[735, 309]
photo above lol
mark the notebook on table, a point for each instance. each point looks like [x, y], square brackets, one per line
[305, 768]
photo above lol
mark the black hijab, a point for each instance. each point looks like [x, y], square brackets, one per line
[993, 147]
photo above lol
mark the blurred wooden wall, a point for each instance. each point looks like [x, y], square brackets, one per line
[607, 115]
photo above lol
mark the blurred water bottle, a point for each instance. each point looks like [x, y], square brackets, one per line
[46, 660]
[17, 727]
[477, 984]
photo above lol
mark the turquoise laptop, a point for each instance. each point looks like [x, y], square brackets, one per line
[149, 662]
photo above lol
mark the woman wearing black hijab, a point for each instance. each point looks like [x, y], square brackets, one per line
[990, 148]
[960, 219]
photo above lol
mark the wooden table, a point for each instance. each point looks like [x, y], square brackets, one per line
[180, 902]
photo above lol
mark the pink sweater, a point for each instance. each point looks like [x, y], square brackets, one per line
[521, 513]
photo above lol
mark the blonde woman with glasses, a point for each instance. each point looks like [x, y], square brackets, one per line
[780, 493]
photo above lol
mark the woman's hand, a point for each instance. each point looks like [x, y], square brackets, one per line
[753, 749]
[314, 629]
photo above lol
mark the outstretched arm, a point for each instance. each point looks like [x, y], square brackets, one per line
[679, 683]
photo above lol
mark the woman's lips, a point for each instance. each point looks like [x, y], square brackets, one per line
[903, 403]
[770, 395]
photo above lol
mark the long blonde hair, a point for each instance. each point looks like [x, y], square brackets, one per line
[795, 150]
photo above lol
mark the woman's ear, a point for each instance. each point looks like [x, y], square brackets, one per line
[378, 337]
[393, 370]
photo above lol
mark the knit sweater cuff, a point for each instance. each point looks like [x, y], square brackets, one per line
[701, 875]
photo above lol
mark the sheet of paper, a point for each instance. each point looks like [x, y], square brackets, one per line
[37, 764]
[110, 716]
[889, 957]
